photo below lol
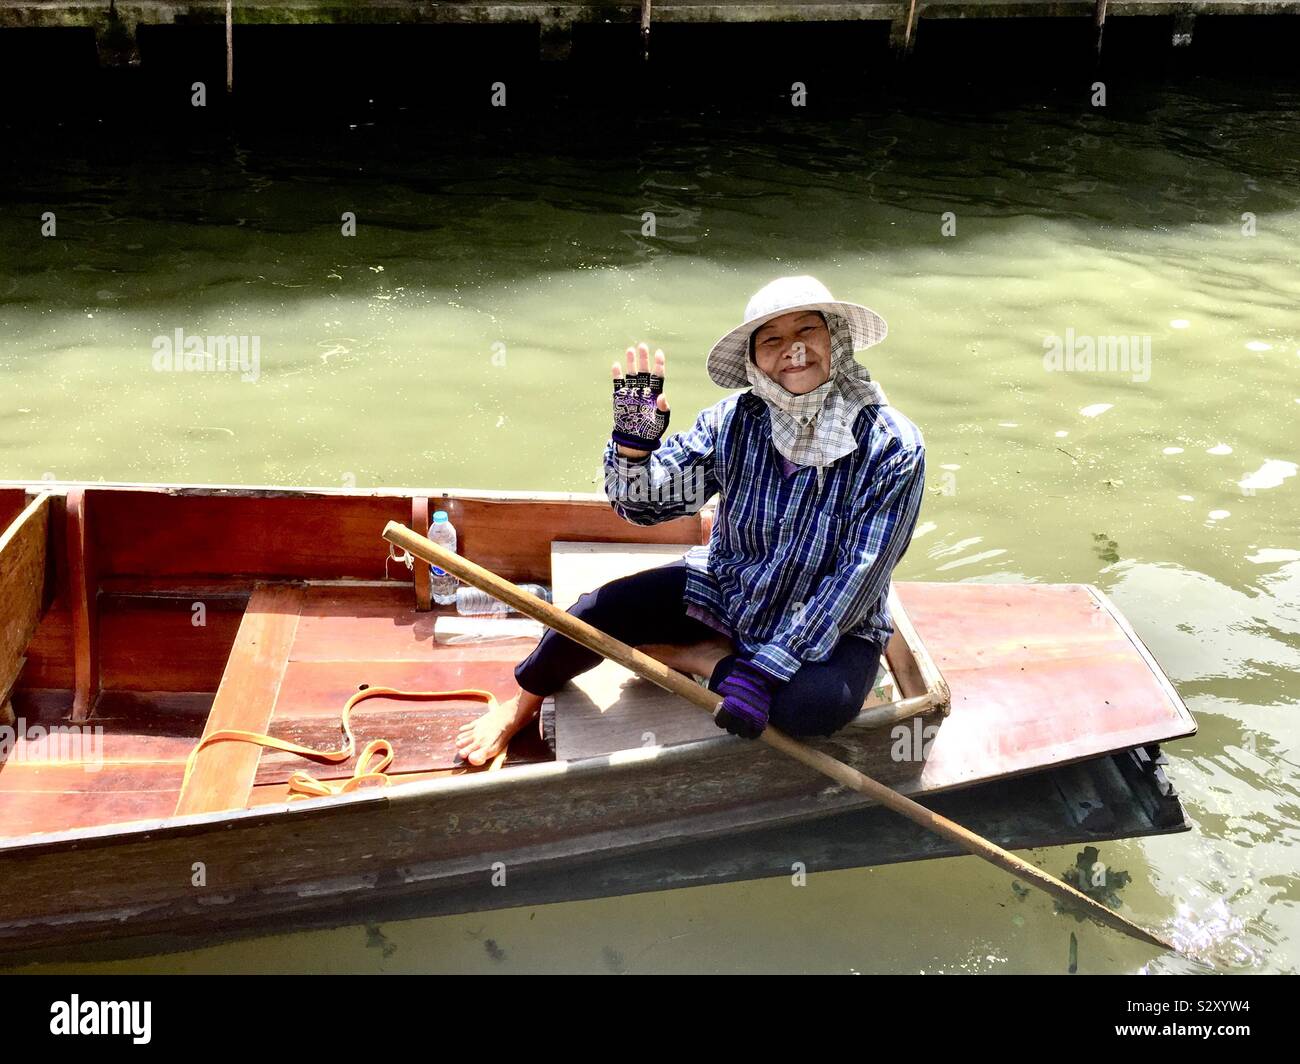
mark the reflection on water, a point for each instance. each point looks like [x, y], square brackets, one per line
[1212, 935]
[462, 337]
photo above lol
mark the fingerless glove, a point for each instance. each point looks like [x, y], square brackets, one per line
[638, 422]
[747, 694]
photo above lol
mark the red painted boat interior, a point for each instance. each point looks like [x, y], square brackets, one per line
[1039, 675]
[121, 631]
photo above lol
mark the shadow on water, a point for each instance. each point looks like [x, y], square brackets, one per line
[992, 120]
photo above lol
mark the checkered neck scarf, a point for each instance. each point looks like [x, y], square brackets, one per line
[817, 428]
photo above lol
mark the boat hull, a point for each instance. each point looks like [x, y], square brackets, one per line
[268, 862]
[1043, 676]
[1113, 797]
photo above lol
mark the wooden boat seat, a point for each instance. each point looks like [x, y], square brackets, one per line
[303, 649]
[586, 721]
[224, 773]
[1055, 665]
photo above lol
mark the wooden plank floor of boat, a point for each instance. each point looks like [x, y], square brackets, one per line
[338, 638]
[348, 637]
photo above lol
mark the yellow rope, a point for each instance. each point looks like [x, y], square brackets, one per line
[304, 785]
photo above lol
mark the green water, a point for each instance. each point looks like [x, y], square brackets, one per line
[462, 338]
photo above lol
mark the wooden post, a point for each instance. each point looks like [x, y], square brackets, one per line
[115, 40]
[645, 29]
[555, 37]
[902, 32]
[230, 47]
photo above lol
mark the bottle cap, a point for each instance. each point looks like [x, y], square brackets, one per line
[439, 517]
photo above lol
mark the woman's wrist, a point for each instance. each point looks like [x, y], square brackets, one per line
[628, 452]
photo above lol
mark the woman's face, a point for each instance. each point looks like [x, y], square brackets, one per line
[795, 351]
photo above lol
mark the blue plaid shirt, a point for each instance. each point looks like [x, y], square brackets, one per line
[792, 564]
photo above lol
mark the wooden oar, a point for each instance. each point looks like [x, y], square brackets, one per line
[671, 680]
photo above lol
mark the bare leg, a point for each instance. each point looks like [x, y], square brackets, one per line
[698, 658]
[484, 737]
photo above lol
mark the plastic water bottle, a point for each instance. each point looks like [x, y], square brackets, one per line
[442, 583]
[470, 601]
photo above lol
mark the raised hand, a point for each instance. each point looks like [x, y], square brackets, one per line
[640, 407]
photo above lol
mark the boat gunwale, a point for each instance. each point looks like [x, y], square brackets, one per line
[535, 774]
[414, 790]
[271, 491]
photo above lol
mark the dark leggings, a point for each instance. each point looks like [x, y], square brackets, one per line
[648, 607]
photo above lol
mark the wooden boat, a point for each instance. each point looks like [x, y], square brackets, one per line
[135, 619]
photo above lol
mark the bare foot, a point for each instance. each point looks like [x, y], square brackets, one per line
[484, 737]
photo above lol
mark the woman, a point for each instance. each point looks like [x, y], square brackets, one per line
[785, 612]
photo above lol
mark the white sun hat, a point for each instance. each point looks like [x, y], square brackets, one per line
[784, 296]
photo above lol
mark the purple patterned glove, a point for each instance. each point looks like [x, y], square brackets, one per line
[638, 422]
[747, 695]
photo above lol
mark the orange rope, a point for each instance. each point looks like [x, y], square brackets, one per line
[303, 784]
